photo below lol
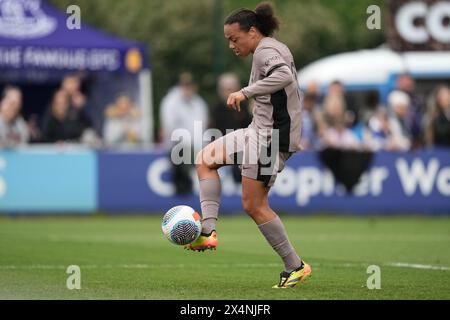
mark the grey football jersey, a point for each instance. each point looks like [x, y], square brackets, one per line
[274, 87]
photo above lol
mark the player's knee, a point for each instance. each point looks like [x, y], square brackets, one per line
[250, 206]
[206, 156]
[203, 160]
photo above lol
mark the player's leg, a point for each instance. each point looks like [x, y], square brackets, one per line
[255, 202]
[208, 161]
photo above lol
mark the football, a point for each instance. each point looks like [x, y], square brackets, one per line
[181, 225]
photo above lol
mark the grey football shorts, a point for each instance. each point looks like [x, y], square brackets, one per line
[257, 157]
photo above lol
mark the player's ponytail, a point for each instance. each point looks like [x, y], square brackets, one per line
[268, 23]
[263, 19]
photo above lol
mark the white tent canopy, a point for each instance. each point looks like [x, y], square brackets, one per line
[374, 67]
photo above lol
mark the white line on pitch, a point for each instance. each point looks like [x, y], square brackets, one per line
[237, 265]
[140, 266]
[416, 266]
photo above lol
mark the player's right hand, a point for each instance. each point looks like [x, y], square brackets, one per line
[235, 99]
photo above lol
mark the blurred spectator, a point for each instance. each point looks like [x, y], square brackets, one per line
[333, 124]
[310, 114]
[58, 127]
[399, 109]
[13, 129]
[182, 108]
[340, 148]
[33, 129]
[378, 132]
[77, 113]
[371, 107]
[225, 118]
[122, 123]
[406, 84]
[437, 128]
[336, 88]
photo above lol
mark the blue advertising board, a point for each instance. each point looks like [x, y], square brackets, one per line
[414, 182]
[45, 181]
[78, 181]
[137, 181]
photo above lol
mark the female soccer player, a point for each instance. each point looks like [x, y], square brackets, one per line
[265, 145]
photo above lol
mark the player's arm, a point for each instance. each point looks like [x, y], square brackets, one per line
[278, 74]
[280, 78]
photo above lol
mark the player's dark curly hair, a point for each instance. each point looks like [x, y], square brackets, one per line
[263, 19]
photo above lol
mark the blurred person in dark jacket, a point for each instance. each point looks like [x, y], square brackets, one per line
[13, 129]
[437, 127]
[225, 118]
[58, 127]
[77, 113]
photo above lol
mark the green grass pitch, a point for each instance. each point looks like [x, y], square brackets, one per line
[129, 258]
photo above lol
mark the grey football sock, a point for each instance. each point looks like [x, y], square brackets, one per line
[275, 234]
[209, 201]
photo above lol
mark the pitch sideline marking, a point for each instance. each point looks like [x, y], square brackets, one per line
[238, 265]
[416, 266]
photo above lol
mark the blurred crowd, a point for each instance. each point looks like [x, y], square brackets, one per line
[406, 122]
[330, 119]
[66, 119]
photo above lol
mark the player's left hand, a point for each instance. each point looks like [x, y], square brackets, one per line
[235, 99]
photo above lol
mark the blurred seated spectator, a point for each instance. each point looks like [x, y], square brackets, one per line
[122, 123]
[58, 127]
[437, 127]
[13, 129]
[399, 113]
[334, 131]
[310, 114]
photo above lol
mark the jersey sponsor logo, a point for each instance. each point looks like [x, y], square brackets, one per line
[271, 60]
